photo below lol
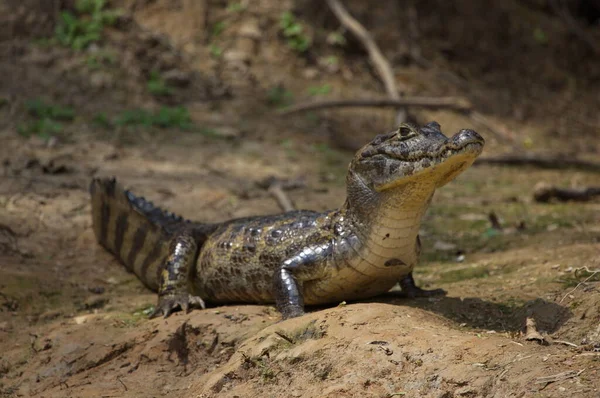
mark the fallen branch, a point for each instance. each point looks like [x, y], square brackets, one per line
[460, 104]
[381, 64]
[558, 377]
[457, 103]
[545, 162]
[276, 190]
[545, 193]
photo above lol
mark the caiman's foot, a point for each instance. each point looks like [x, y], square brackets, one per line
[411, 290]
[291, 312]
[167, 304]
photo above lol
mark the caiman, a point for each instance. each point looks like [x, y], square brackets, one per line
[300, 257]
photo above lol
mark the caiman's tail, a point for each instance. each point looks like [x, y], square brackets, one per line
[136, 231]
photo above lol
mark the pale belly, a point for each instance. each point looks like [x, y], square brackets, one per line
[357, 281]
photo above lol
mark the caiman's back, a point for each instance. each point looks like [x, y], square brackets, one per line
[238, 260]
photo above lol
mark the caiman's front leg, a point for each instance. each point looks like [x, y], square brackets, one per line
[411, 290]
[174, 277]
[307, 265]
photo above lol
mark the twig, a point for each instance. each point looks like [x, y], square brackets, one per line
[546, 162]
[276, 190]
[123, 384]
[544, 193]
[381, 64]
[286, 338]
[565, 343]
[458, 103]
[495, 221]
[576, 287]
[558, 377]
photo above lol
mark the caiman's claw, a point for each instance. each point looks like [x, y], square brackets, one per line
[411, 290]
[418, 292]
[168, 304]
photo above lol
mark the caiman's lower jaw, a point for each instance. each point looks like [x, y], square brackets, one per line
[438, 168]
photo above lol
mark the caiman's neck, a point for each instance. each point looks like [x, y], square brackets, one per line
[394, 214]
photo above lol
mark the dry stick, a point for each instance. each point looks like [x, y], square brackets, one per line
[544, 193]
[549, 162]
[386, 74]
[458, 103]
[283, 200]
[381, 64]
[559, 377]
[576, 287]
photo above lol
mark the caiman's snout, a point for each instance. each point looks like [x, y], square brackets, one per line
[465, 137]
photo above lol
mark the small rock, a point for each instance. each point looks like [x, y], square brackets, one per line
[233, 56]
[96, 289]
[37, 57]
[228, 132]
[80, 320]
[310, 73]
[466, 391]
[444, 246]
[101, 80]
[177, 77]
[250, 29]
[94, 303]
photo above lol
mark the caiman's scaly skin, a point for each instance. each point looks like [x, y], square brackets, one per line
[301, 257]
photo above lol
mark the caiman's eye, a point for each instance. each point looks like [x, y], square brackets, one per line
[405, 132]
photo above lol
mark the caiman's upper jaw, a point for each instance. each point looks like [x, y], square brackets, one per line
[417, 150]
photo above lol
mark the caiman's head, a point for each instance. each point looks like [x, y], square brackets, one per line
[413, 154]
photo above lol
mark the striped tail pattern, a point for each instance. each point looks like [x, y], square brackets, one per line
[134, 230]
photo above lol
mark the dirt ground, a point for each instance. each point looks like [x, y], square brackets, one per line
[73, 322]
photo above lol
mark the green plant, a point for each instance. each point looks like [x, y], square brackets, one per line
[100, 58]
[102, 120]
[43, 128]
[319, 90]
[166, 117]
[279, 96]
[293, 31]
[540, 36]
[41, 110]
[79, 30]
[236, 7]
[215, 51]
[157, 86]
[218, 28]
[46, 118]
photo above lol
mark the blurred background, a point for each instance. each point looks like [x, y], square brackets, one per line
[202, 105]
